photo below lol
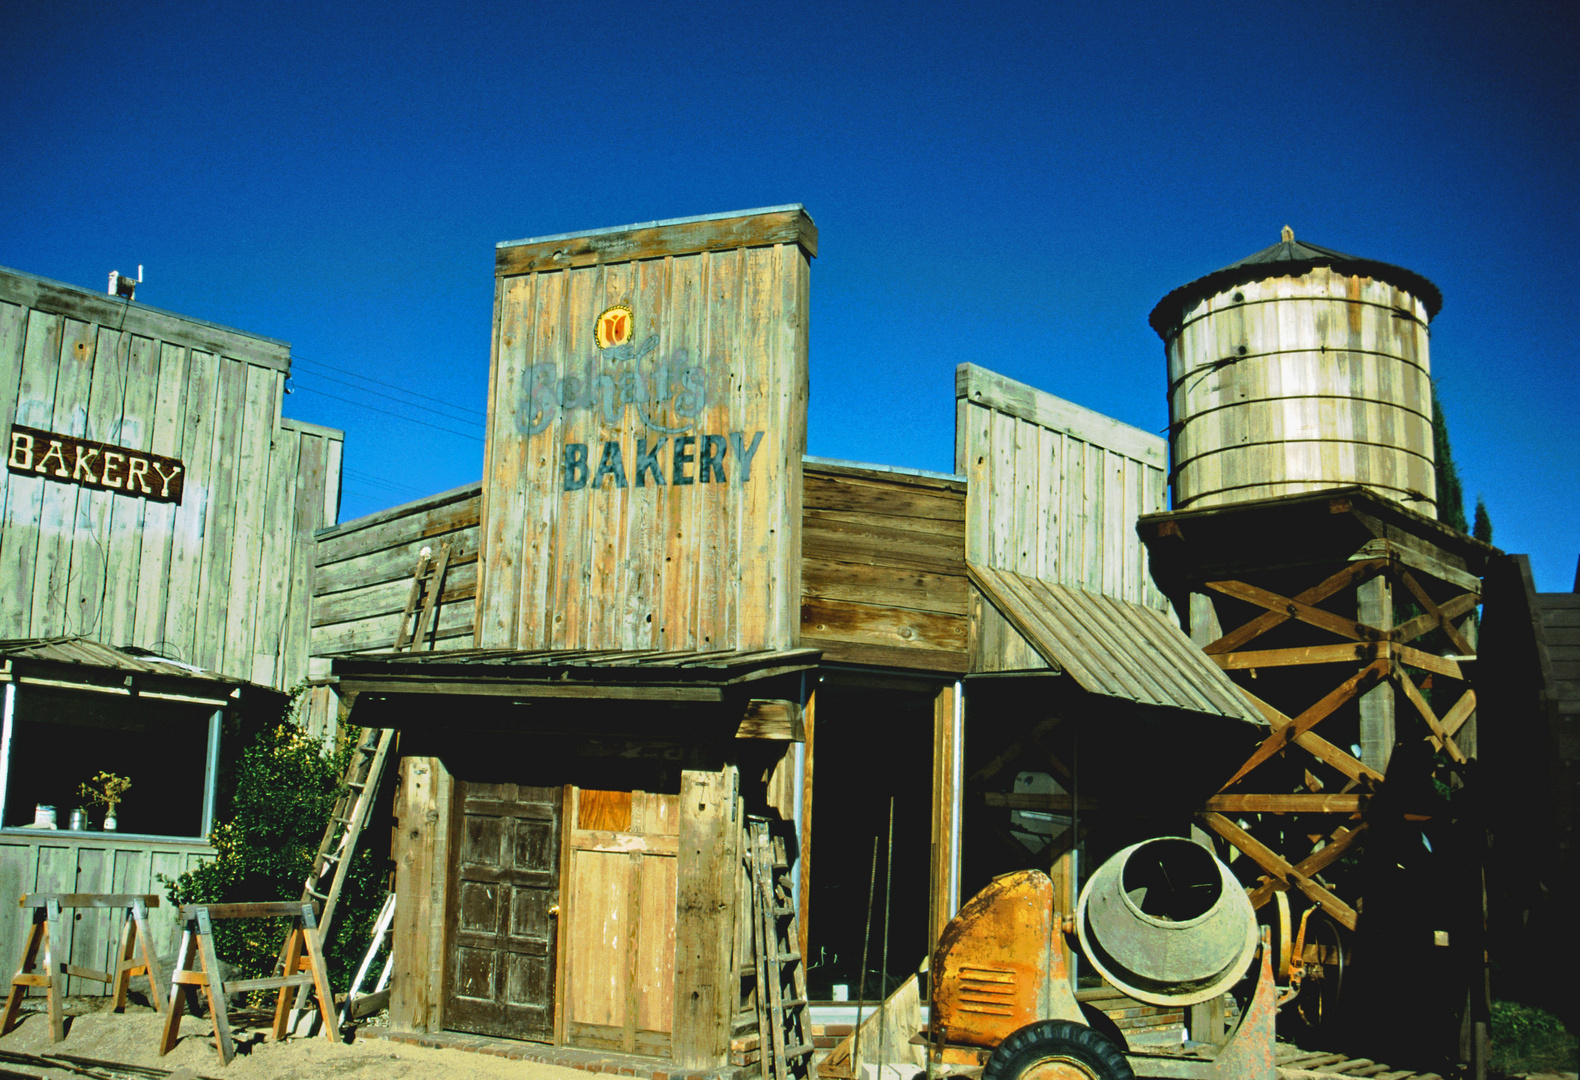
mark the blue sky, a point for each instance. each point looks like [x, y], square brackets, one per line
[1014, 185]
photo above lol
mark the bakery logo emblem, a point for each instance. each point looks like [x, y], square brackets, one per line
[614, 327]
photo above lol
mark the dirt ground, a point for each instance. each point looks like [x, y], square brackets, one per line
[132, 1038]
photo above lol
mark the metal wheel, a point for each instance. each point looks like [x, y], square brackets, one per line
[1327, 952]
[1057, 1050]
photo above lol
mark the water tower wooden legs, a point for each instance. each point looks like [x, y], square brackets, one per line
[1351, 622]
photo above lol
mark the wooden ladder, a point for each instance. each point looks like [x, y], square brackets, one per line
[427, 583]
[344, 828]
[783, 1030]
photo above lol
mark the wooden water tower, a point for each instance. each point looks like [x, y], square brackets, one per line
[1304, 554]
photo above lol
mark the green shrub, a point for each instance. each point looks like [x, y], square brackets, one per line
[1527, 1040]
[286, 786]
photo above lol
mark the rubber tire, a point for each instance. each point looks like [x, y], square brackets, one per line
[1044, 1038]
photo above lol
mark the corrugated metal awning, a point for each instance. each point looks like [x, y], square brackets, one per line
[1113, 647]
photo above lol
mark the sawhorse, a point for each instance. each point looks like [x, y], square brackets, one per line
[304, 966]
[47, 935]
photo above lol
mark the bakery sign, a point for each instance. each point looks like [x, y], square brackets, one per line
[70, 460]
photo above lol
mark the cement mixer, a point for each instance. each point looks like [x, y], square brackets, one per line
[1164, 921]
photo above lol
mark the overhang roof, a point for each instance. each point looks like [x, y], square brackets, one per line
[1113, 647]
[1288, 258]
[570, 673]
[81, 663]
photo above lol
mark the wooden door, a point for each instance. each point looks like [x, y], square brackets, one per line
[620, 921]
[503, 903]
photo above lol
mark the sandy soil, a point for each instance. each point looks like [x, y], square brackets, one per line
[132, 1038]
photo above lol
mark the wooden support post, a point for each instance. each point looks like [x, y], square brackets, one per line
[1374, 608]
[946, 796]
[421, 851]
[707, 896]
[804, 893]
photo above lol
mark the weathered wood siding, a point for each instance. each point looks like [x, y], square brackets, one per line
[58, 862]
[1055, 489]
[582, 548]
[365, 567]
[219, 580]
[883, 573]
[1298, 384]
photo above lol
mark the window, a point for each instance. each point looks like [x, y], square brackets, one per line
[54, 739]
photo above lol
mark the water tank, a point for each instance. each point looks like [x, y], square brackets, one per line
[1300, 369]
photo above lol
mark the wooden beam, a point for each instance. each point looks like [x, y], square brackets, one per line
[705, 919]
[1281, 738]
[804, 897]
[1288, 804]
[1295, 609]
[1421, 624]
[771, 718]
[1431, 608]
[1307, 654]
[1314, 744]
[1437, 665]
[1440, 738]
[1351, 575]
[1343, 838]
[781, 225]
[1280, 868]
[1462, 710]
[945, 753]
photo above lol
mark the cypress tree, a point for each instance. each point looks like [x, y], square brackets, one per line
[1450, 495]
[1481, 528]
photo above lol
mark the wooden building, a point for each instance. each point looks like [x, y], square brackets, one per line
[659, 619]
[155, 507]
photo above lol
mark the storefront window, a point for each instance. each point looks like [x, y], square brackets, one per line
[54, 740]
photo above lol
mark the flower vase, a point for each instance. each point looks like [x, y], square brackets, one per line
[109, 820]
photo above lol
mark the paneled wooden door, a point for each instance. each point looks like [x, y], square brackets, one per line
[503, 906]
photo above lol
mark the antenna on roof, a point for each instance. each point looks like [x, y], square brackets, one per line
[121, 285]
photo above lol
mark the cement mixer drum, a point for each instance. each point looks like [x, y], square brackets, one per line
[1167, 923]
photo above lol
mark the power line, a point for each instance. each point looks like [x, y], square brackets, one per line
[392, 397]
[392, 386]
[396, 415]
[379, 481]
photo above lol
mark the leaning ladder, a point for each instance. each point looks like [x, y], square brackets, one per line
[427, 583]
[784, 1034]
[346, 822]
[423, 599]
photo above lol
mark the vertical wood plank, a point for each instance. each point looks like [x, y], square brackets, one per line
[186, 550]
[57, 513]
[88, 577]
[238, 623]
[943, 851]
[804, 894]
[317, 471]
[127, 515]
[154, 565]
[13, 335]
[277, 552]
[420, 883]
[19, 540]
[505, 467]
[705, 918]
[219, 523]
